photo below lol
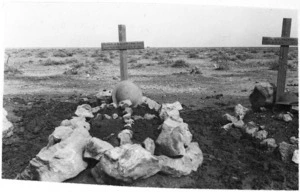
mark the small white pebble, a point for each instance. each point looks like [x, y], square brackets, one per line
[107, 116]
[115, 116]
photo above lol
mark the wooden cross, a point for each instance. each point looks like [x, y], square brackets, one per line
[284, 41]
[123, 46]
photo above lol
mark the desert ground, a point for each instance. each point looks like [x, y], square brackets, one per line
[43, 86]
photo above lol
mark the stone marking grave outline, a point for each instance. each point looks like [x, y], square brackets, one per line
[123, 46]
[284, 41]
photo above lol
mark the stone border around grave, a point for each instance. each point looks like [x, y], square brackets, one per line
[62, 158]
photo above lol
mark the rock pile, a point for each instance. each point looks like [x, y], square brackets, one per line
[286, 150]
[71, 144]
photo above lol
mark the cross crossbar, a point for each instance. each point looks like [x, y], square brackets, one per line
[122, 45]
[280, 41]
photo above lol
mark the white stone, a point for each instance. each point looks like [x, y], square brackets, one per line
[294, 140]
[103, 94]
[151, 104]
[262, 134]
[125, 103]
[270, 142]
[63, 160]
[96, 109]
[240, 111]
[115, 116]
[128, 111]
[76, 122]
[178, 167]
[102, 106]
[149, 116]
[128, 121]
[128, 126]
[170, 123]
[227, 126]
[172, 140]
[239, 124]
[7, 129]
[125, 136]
[251, 128]
[230, 118]
[263, 109]
[149, 145]
[171, 110]
[286, 150]
[107, 116]
[59, 133]
[84, 110]
[127, 116]
[128, 163]
[295, 157]
[137, 117]
[287, 118]
[95, 148]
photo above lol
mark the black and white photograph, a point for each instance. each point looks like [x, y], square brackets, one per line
[147, 95]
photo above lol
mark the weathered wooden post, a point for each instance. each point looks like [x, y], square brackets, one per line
[123, 46]
[284, 41]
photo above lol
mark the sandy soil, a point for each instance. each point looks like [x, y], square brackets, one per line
[42, 87]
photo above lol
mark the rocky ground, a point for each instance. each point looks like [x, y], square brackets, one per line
[39, 98]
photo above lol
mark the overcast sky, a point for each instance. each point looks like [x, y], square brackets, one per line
[158, 25]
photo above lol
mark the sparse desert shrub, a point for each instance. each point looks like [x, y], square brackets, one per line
[158, 58]
[98, 54]
[10, 70]
[269, 55]
[41, 54]
[107, 60]
[98, 59]
[148, 54]
[253, 51]
[86, 67]
[133, 60]
[274, 65]
[50, 62]
[193, 56]
[165, 62]
[180, 64]
[222, 66]
[244, 56]
[222, 61]
[136, 66]
[292, 55]
[146, 57]
[77, 65]
[71, 60]
[62, 53]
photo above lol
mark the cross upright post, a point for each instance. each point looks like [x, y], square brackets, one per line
[123, 53]
[123, 46]
[284, 41]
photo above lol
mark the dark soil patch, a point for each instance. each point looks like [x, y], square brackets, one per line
[235, 161]
[108, 129]
[231, 159]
